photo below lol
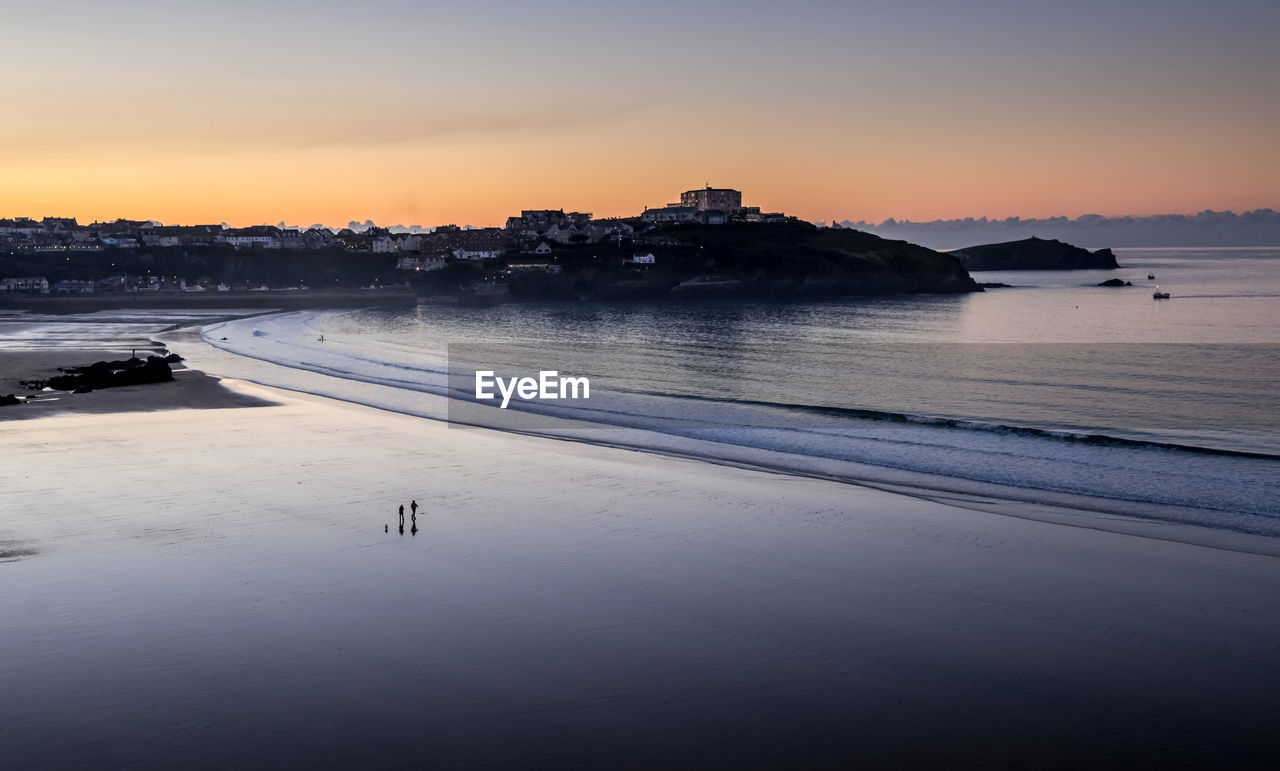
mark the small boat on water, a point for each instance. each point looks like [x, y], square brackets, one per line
[1151, 276]
[1158, 295]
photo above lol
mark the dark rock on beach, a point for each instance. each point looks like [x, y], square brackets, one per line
[110, 374]
[1034, 254]
[5, 401]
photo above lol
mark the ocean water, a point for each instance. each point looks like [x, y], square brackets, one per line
[1054, 390]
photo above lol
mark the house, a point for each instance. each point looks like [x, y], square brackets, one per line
[292, 238]
[162, 236]
[567, 233]
[410, 242]
[60, 225]
[258, 236]
[670, 214]
[541, 220]
[481, 254]
[767, 217]
[71, 286]
[317, 238]
[610, 229]
[524, 266]
[20, 226]
[542, 248]
[479, 240]
[352, 241]
[126, 227]
[641, 259]
[385, 244]
[28, 284]
[199, 235]
[420, 262]
[722, 199]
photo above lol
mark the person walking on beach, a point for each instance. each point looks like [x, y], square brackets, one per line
[413, 505]
[402, 515]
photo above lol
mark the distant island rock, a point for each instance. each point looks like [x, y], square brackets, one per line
[1116, 282]
[1034, 254]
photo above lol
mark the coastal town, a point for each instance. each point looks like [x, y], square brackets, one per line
[93, 255]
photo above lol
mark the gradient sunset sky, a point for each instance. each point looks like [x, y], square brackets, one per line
[431, 113]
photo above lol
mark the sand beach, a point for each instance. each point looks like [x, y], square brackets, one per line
[211, 574]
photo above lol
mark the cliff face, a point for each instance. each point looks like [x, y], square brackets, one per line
[799, 260]
[1034, 254]
[780, 261]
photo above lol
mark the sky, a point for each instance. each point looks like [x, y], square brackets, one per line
[433, 113]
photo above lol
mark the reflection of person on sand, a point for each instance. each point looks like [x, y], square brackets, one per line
[414, 530]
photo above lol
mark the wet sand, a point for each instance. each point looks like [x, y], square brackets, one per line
[214, 587]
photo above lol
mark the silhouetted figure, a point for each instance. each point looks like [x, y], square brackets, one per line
[402, 516]
[386, 528]
[413, 505]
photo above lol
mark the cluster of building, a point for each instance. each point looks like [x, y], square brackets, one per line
[535, 233]
[116, 283]
[57, 234]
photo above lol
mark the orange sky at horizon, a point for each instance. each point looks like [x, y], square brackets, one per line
[830, 114]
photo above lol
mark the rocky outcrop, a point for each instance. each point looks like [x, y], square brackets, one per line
[1116, 282]
[1034, 254]
[110, 374]
[754, 261]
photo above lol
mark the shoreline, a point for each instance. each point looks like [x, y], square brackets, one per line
[1250, 533]
[200, 389]
[197, 584]
[274, 299]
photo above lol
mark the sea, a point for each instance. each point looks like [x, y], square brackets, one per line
[176, 599]
[1052, 390]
